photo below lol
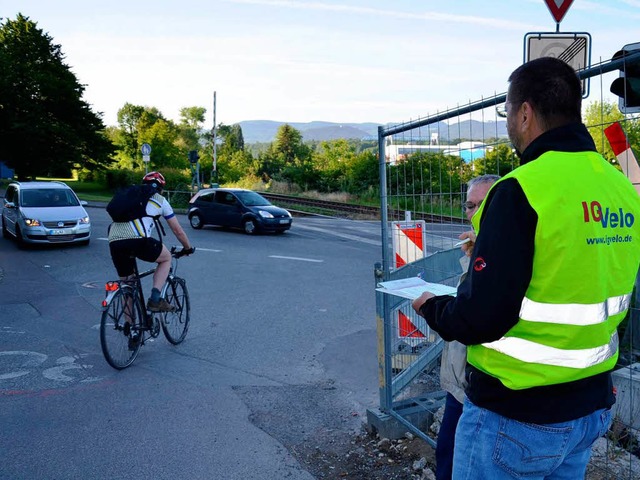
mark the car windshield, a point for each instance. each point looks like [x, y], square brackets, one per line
[49, 197]
[253, 199]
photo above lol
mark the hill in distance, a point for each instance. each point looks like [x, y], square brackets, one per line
[264, 131]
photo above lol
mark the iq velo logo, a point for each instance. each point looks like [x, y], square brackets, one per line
[608, 218]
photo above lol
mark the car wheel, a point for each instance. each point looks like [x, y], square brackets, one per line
[250, 227]
[196, 221]
[19, 239]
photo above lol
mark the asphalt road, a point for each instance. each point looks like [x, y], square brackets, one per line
[280, 358]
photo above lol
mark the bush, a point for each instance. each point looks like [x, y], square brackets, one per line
[250, 182]
[176, 177]
[115, 179]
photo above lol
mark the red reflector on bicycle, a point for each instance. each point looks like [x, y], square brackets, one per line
[104, 303]
[111, 286]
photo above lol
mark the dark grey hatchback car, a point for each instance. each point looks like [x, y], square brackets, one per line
[237, 208]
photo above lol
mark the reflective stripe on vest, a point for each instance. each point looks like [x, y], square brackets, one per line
[573, 313]
[532, 352]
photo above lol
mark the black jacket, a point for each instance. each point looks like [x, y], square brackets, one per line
[488, 302]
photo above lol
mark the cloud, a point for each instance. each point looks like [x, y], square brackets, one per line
[433, 16]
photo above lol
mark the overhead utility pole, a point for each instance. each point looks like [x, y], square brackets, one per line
[214, 171]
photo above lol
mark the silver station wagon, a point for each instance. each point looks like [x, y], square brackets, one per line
[44, 212]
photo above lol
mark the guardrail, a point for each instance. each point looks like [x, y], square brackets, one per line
[347, 209]
[180, 199]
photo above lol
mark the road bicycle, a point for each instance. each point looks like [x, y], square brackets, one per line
[127, 324]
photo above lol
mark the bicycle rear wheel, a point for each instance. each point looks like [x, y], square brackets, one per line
[120, 325]
[176, 324]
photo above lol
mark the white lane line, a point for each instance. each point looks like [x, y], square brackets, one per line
[297, 258]
[198, 249]
[341, 235]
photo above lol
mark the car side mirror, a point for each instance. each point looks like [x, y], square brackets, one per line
[84, 203]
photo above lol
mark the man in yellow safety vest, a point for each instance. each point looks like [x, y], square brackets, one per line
[550, 280]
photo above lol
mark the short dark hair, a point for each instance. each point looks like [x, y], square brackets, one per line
[553, 89]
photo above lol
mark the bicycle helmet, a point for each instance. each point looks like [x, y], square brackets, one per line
[155, 179]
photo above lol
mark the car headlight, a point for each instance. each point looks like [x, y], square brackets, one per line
[32, 222]
[264, 214]
[84, 220]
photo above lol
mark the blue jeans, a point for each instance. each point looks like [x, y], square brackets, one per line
[446, 437]
[490, 446]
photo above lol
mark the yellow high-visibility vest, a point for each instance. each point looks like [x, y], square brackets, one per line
[586, 258]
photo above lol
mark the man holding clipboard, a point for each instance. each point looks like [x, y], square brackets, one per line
[550, 280]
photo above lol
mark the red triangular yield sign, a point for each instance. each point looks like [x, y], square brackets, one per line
[558, 8]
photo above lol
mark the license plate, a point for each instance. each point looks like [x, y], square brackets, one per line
[284, 221]
[59, 232]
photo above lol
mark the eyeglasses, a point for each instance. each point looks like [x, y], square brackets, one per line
[470, 205]
[501, 110]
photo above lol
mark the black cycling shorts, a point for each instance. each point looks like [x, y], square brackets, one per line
[124, 251]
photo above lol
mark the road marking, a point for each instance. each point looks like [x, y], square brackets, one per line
[10, 330]
[64, 363]
[32, 359]
[356, 238]
[296, 258]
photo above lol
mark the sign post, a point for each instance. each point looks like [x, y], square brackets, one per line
[146, 156]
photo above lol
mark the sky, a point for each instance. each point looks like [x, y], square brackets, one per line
[344, 61]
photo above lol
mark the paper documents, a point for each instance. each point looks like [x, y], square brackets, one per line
[413, 287]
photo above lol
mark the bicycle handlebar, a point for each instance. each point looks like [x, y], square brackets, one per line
[182, 253]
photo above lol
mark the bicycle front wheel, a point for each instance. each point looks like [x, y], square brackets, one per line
[176, 324]
[120, 330]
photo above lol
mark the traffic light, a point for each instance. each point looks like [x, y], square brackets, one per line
[193, 156]
[627, 86]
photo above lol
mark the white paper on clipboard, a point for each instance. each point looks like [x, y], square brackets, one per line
[413, 287]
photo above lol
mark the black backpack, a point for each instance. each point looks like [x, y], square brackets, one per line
[130, 203]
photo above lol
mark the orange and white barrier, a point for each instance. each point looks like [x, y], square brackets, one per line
[406, 327]
[624, 154]
[409, 241]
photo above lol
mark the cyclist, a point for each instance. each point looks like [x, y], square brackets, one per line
[133, 239]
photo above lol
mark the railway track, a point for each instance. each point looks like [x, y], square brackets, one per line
[348, 210]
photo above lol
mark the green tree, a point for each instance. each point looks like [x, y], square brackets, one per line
[125, 137]
[231, 138]
[45, 125]
[236, 166]
[331, 160]
[291, 158]
[500, 160]
[233, 162]
[163, 135]
[191, 120]
[138, 125]
[289, 148]
[363, 174]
